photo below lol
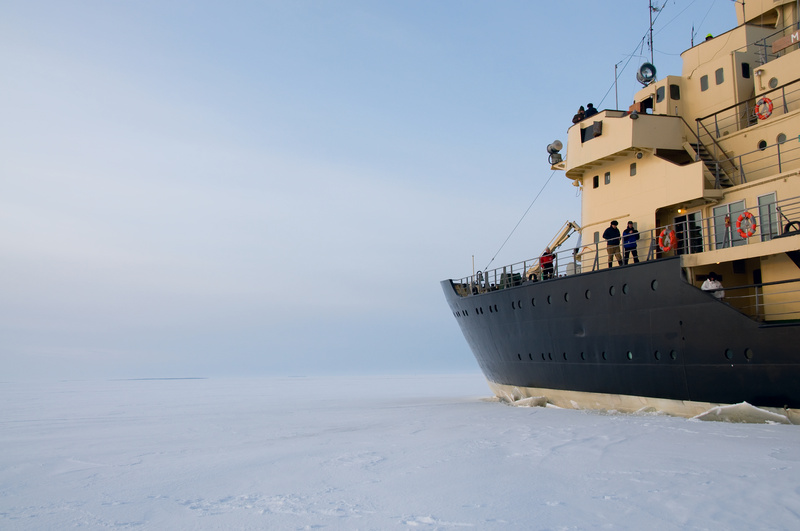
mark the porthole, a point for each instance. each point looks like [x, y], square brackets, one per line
[612, 290]
[728, 354]
[673, 354]
[519, 356]
[549, 299]
[490, 309]
[748, 353]
[566, 297]
[513, 305]
[565, 356]
[495, 307]
[544, 358]
[781, 138]
[657, 355]
[625, 289]
[630, 355]
[604, 356]
[773, 82]
[530, 356]
[533, 301]
[583, 356]
[654, 285]
[519, 304]
[550, 356]
[588, 294]
[762, 145]
[481, 309]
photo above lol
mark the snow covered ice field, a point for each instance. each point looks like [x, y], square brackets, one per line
[419, 452]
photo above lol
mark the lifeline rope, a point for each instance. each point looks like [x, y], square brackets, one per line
[520, 220]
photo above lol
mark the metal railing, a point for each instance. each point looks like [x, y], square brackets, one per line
[764, 45]
[687, 236]
[745, 113]
[772, 301]
[768, 159]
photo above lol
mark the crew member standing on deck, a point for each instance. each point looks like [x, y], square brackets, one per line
[611, 235]
[546, 261]
[629, 238]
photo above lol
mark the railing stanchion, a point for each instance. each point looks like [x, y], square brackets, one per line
[742, 176]
[783, 95]
[699, 142]
[758, 310]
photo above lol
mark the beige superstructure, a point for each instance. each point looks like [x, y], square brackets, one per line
[703, 156]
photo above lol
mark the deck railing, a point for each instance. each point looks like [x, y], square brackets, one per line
[777, 301]
[688, 236]
[767, 159]
[744, 114]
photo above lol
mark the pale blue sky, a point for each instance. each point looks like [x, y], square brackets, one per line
[199, 188]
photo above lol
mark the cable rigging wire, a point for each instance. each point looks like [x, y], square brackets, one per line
[640, 48]
[520, 221]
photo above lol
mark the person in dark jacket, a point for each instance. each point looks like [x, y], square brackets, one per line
[629, 238]
[579, 116]
[611, 235]
[590, 110]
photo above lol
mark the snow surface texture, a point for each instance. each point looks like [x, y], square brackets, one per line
[374, 453]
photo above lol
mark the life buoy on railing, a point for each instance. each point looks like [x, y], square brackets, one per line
[763, 115]
[749, 223]
[667, 239]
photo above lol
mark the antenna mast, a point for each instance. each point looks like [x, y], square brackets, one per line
[651, 31]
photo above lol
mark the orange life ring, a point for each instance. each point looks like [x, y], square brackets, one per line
[751, 225]
[766, 114]
[667, 239]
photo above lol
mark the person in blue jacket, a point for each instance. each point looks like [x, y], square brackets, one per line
[629, 238]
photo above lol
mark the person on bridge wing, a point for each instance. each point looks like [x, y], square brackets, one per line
[611, 235]
[546, 261]
[578, 116]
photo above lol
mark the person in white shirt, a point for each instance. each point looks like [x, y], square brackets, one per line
[713, 283]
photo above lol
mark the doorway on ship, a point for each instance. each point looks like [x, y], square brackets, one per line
[689, 230]
[725, 233]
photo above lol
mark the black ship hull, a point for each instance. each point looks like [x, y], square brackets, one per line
[639, 330]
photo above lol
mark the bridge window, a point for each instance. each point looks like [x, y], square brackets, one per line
[660, 93]
[704, 83]
[675, 92]
[633, 169]
[595, 181]
[720, 75]
[608, 177]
